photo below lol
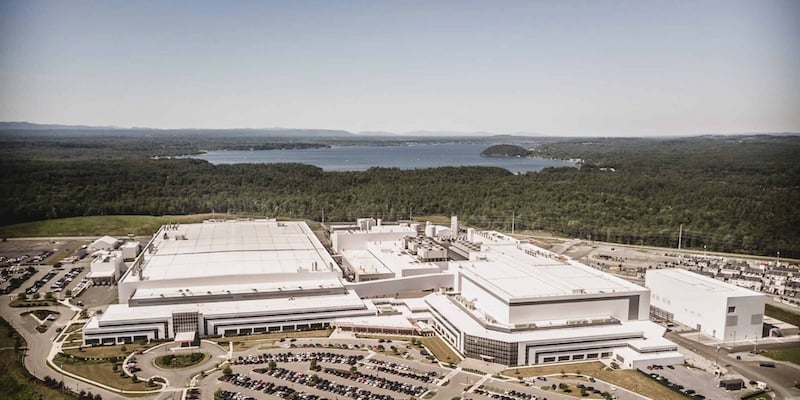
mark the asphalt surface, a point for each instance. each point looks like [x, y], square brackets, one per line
[751, 370]
[39, 345]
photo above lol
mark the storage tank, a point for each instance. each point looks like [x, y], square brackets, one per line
[430, 230]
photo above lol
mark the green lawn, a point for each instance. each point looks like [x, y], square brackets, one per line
[791, 354]
[440, 349]
[100, 371]
[115, 225]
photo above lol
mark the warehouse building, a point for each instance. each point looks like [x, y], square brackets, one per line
[723, 311]
[225, 278]
[516, 304]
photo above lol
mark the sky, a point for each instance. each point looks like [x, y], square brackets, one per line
[613, 68]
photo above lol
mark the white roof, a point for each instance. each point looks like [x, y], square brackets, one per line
[105, 240]
[287, 306]
[145, 293]
[234, 248]
[443, 305]
[385, 321]
[681, 278]
[100, 274]
[516, 274]
[184, 336]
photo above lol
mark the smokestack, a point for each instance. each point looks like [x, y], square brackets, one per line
[454, 225]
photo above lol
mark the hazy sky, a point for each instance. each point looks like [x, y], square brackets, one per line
[560, 67]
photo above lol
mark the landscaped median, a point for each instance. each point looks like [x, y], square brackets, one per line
[102, 372]
[102, 366]
[631, 380]
[180, 361]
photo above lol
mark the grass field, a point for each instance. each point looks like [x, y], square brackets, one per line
[241, 343]
[440, 349]
[115, 225]
[637, 382]
[791, 354]
[628, 379]
[103, 372]
[781, 314]
[105, 351]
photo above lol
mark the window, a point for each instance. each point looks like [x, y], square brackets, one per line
[731, 309]
[577, 357]
[732, 320]
[548, 359]
[591, 356]
[756, 319]
[563, 358]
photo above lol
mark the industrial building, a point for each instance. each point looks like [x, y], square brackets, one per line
[488, 295]
[723, 311]
[516, 304]
[227, 277]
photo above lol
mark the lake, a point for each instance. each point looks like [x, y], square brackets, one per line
[360, 158]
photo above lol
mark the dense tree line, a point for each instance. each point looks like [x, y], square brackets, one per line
[730, 194]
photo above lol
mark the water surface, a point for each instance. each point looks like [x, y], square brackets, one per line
[360, 158]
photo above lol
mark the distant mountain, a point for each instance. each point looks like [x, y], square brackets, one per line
[21, 125]
[376, 133]
[82, 130]
[446, 133]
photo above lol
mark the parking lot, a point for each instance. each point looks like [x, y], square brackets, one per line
[318, 369]
[696, 381]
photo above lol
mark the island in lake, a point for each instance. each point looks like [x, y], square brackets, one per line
[505, 150]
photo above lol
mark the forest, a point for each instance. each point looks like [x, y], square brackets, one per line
[730, 193]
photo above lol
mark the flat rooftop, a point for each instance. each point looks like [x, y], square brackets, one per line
[524, 272]
[684, 278]
[445, 306]
[262, 287]
[279, 306]
[250, 247]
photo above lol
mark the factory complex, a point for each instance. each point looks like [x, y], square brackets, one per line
[488, 295]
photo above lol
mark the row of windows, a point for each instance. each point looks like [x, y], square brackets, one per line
[575, 357]
[494, 350]
[185, 322]
[274, 328]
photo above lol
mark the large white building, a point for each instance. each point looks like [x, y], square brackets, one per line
[491, 296]
[517, 304]
[718, 309]
[227, 277]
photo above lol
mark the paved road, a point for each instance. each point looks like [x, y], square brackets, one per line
[39, 346]
[750, 370]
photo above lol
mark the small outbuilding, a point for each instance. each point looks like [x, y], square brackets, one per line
[106, 243]
[731, 384]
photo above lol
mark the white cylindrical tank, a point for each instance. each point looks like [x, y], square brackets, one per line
[430, 230]
[470, 234]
